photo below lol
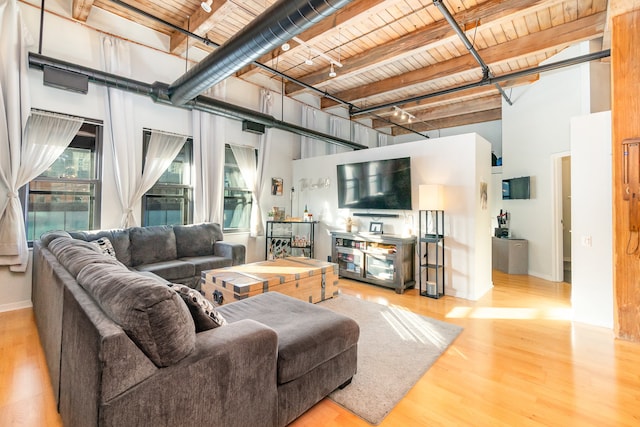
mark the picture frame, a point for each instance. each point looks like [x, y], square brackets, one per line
[276, 186]
[375, 227]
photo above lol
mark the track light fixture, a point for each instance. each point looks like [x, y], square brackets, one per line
[332, 73]
[397, 111]
[309, 61]
[206, 5]
[286, 46]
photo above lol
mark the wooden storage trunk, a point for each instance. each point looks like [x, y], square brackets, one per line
[307, 279]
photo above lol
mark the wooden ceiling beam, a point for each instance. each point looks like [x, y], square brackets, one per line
[448, 122]
[80, 9]
[354, 10]
[582, 29]
[199, 23]
[421, 40]
[436, 112]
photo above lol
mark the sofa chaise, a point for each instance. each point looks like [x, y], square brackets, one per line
[123, 347]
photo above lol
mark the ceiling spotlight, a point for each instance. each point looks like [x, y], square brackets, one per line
[332, 73]
[286, 46]
[206, 5]
[409, 119]
[395, 111]
[403, 116]
[309, 61]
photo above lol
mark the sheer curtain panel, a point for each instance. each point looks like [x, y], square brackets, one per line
[46, 137]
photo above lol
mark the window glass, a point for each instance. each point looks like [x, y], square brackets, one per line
[237, 196]
[67, 195]
[170, 200]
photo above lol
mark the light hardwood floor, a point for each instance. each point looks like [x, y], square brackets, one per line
[518, 362]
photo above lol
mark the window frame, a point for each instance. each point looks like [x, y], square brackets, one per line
[96, 207]
[227, 188]
[187, 190]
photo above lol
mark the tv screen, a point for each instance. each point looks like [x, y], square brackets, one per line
[516, 188]
[378, 184]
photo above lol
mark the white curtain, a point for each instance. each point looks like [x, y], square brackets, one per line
[310, 147]
[208, 141]
[119, 129]
[46, 137]
[361, 134]
[246, 160]
[256, 225]
[383, 139]
[162, 149]
[15, 107]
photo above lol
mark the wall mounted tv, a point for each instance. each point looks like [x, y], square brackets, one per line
[516, 188]
[377, 184]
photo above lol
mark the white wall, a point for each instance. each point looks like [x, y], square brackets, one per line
[457, 162]
[79, 43]
[591, 206]
[534, 129]
[491, 131]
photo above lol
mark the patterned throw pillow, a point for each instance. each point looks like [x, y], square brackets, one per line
[105, 246]
[202, 310]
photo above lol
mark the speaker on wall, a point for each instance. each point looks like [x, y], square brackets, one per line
[252, 127]
[66, 80]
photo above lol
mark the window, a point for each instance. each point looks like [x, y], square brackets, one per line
[237, 196]
[170, 200]
[67, 195]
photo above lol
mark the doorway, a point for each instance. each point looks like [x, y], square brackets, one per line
[566, 218]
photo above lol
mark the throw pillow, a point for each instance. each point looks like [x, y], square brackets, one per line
[105, 246]
[205, 316]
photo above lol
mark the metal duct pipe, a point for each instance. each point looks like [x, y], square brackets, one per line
[281, 22]
[492, 80]
[486, 72]
[160, 94]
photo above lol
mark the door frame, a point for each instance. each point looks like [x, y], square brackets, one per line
[557, 251]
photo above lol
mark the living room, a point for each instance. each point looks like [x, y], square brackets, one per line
[519, 138]
[550, 117]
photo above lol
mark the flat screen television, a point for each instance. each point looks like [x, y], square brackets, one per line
[377, 184]
[516, 188]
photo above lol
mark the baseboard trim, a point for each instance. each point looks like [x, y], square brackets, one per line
[15, 306]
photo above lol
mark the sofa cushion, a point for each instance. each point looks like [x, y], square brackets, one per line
[203, 263]
[170, 270]
[119, 239]
[150, 312]
[152, 244]
[204, 314]
[197, 239]
[50, 236]
[308, 335]
[75, 254]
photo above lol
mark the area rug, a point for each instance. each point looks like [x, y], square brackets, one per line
[396, 348]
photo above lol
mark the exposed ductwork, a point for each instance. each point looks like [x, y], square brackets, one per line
[281, 22]
[160, 94]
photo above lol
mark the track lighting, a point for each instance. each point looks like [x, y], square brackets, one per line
[286, 46]
[397, 111]
[309, 61]
[332, 73]
[206, 5]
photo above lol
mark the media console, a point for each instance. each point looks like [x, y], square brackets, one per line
[381, 259]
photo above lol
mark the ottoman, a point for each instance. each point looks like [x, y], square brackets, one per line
[317, 347]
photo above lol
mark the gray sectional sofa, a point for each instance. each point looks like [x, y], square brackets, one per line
[177, 253]
[123, 348]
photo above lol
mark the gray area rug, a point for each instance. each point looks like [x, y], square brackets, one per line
[396, 348]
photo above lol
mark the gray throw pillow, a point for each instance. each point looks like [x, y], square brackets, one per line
[151, 313]
[204, 314]
[196, 239]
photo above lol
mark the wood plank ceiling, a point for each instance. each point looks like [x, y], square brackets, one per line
[389, 51]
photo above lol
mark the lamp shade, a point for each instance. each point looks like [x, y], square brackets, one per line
[431, 197]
